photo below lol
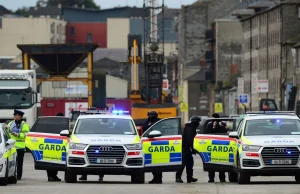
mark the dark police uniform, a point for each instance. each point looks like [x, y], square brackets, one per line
[152, 119]
[211, 128]
[188, 135]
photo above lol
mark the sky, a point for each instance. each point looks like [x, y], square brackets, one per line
[15, 4]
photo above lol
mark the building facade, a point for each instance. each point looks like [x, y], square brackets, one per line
[267, 53]
[29, 31]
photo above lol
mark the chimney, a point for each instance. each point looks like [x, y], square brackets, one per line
[59, 6]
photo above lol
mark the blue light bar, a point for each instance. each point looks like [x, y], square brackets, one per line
[120, 112]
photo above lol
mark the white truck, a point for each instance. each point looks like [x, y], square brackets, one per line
[18, 90]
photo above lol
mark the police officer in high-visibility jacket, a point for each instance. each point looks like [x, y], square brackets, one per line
[18, 129]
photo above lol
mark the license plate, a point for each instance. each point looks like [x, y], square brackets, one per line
[106, 161]
[281, 161]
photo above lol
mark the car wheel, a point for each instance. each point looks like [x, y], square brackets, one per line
[138, 178]
[297, 178]
[233, 177]
[242, 177]
[70, 177]
[14, 179]
[4, 181]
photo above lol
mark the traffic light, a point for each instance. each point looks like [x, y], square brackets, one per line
[292, 98]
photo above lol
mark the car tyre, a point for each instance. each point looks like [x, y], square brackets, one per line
[4, 181]
[70, 177]
[242, 177]
[138, 178]
[297, 178]
[14, 179]
[233, 177]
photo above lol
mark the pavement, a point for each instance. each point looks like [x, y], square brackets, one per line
[36, 182]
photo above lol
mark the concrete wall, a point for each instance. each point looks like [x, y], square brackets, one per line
[29, 31]
[117, 32]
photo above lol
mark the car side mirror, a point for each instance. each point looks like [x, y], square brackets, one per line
[65, 133]
[234, 134]
[153, 134]
[10, 142]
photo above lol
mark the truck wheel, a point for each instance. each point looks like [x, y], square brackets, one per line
[138, 178]
[233, 177]
[4, 181]
[297, 178]
[242, 177]
[70, 177]
[13, 179]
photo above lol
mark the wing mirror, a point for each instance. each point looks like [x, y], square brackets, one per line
[10, 142]
[153, 134]
[234, 134]
[65, 133]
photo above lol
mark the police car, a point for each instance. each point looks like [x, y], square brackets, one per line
[104, 143]
[8, 159]
[268, 145]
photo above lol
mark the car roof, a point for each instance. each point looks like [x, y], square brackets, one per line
[105, 116]
[270, 116]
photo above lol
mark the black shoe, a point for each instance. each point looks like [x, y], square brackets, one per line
[179, 180]
[83, 178]
[211, 180]
[155, 181]
[100, 178]
[222, 180]
[19, 178]
[192, 180]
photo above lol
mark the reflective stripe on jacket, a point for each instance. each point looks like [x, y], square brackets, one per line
[21, 131]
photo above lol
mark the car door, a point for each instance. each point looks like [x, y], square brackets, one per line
[10, 152]
[46, 145]
[163, 153]
[217, 151]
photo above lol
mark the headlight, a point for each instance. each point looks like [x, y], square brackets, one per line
[251, 148]
[77, 146]
[1, 154]
[137, 146]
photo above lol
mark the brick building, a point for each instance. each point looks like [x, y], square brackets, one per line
[268, 40]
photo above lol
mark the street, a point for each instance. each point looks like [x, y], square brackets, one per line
[36, 182]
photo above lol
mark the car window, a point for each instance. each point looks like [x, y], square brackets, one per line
[166, 127]
[50, 125]
[240, 126]
[272, 127]
[105, 126]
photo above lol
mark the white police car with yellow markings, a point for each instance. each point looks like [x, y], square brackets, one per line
[269, 145]
[8, 159]
[104, 144]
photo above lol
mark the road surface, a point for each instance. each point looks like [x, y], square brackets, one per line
[35, 182]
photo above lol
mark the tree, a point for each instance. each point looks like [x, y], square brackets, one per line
[87, 3]
[23, 11]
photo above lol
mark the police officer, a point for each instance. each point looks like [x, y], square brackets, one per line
[216, 127]
[152, 119]
[18, 129]
[188, 135]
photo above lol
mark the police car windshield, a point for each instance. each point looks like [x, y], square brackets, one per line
[115, 126]
[272, 127]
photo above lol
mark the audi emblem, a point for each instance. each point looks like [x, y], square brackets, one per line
[280, 150]
[105, 148]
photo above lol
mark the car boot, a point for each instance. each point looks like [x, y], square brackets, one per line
[83, 178]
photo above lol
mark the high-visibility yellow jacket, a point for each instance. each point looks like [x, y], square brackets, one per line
[21, 131]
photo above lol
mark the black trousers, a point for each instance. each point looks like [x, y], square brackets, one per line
[188, 163]
[20, 160]
[211, 175]
[157, 175]
[52, 173]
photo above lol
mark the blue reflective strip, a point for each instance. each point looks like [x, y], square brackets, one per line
[231, 157]
[203, 157]
[207, 155]
[63, 156]
[53, 141]
[220, 142]
[148, 158]
[159, 142]
[175, 157]
[38, 155]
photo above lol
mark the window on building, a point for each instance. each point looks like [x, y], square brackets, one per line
[298, 12]
[52, 28]
[72, 31]
[89, 37]
[0, 22]
[52, 40]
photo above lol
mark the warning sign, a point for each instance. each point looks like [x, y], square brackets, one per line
[183, 107]
[218, 108]
[165, 85]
